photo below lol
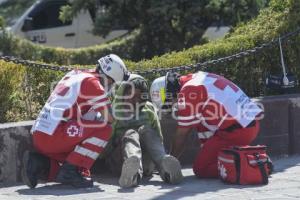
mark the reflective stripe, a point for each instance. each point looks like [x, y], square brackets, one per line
[252, 162]
[189, 123]
[98, 105]
[226, 160]
[205, 135]
[85, 152]
[94, 100]
[198, 116]
[96, 141]
[212, 128]
[162, 95]
[185, 118]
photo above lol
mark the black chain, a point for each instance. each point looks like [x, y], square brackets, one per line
[204, 65]
[162, 71]
[35, 64]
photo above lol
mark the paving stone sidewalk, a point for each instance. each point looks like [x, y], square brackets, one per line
[284, 184]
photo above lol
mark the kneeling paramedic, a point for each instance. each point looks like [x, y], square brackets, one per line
[222, 114]
[65, 135]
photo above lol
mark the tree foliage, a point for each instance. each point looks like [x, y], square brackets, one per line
[164, 26]
[2, 22]
[11, 9]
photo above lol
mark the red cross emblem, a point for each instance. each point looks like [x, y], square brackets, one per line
[222, 83]
[73, 131]
[181, 103]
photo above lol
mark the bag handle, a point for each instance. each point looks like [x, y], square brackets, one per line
[270, 165]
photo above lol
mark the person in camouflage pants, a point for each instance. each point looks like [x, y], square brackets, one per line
[136, 146]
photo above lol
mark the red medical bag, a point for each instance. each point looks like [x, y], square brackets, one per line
[244, 165]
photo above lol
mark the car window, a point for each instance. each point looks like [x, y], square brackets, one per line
[46, 15]
[92, 14]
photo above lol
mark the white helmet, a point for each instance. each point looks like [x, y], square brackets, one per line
[158, 91]
[112, 66]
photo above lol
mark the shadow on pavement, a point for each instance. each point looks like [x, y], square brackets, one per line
[191, 186]
[283, 163]
[58, 190]
[110, 179]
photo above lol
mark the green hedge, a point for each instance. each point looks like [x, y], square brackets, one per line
[21, 48]
[279, 18]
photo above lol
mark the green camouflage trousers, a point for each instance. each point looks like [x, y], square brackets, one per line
[144, 143]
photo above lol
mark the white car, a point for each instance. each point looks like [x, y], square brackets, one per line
[41, 24]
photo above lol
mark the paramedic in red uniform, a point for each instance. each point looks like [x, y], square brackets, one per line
[66, 135]
[215, 107]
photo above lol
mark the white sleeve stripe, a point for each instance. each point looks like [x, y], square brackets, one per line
[189, 123]
[201, 120]
[186, 118]
[96, 141]
[86, 152]
[98, 105]
[101, 97]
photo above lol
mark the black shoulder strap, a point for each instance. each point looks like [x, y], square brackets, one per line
[270, 165]
[263, 172]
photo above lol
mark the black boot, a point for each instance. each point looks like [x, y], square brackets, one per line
[70, 175]
[35, 167]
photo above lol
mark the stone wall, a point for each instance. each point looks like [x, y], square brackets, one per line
[280, 131]
[14, 140]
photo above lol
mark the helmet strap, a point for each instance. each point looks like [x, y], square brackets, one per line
[172, 83]
[126, 76]
[100, 71]
[98, 68]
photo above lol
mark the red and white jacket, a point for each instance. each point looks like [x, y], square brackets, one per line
[76, 94]
[209, 102]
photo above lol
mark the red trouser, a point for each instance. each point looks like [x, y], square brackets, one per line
[206, 162]
[73, 143]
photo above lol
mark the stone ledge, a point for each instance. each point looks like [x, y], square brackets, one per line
[16, 124]
[14, 140]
